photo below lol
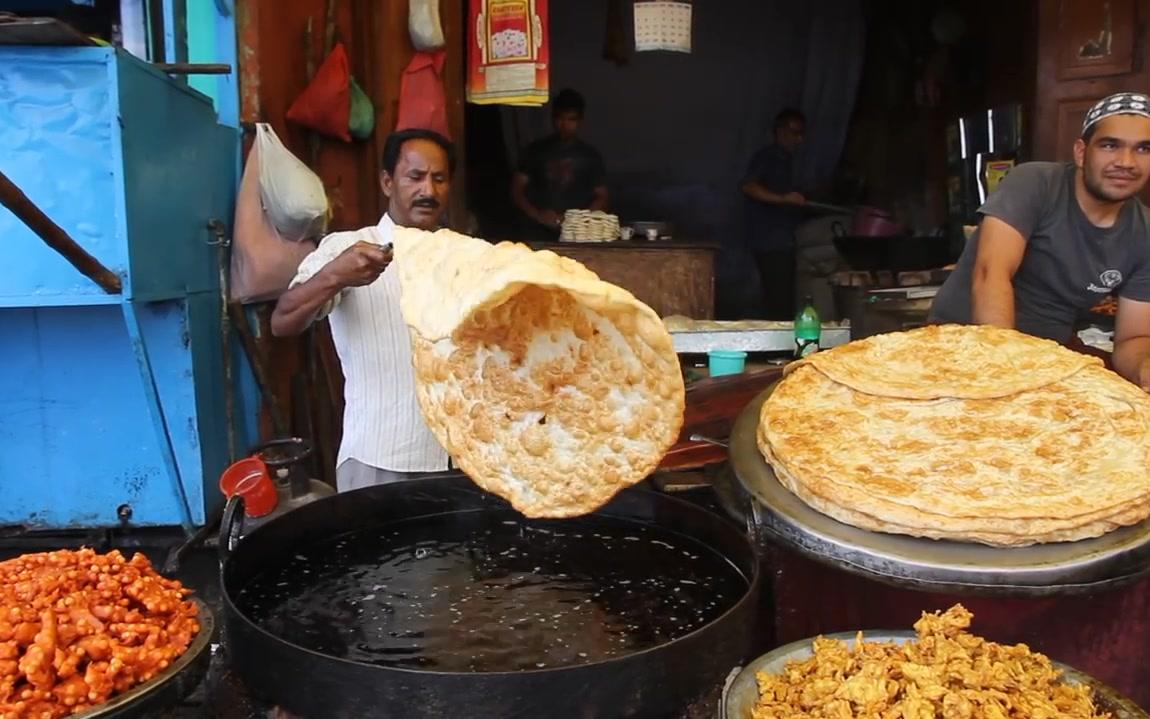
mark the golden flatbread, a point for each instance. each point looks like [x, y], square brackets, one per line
[1060, 462]
[547, 385]
[968, 361]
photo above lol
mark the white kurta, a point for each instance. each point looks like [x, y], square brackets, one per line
[382, 424]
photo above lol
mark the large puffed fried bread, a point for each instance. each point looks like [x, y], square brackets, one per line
[1063, 461]
[967, 361]
[548, 386]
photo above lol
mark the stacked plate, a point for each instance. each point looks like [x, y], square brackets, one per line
[589, 226]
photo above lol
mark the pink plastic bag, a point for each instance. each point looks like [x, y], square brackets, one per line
[263, 262]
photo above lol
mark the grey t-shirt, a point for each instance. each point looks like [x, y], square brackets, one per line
[1069, 264]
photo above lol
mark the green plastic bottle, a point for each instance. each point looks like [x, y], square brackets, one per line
[808, 329]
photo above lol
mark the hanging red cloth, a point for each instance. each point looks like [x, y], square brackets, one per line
[422, 100]
[325, 105]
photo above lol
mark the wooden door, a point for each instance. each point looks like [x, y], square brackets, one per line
[1088, 49]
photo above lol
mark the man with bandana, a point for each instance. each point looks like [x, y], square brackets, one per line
[1054, 239]
[349, 278]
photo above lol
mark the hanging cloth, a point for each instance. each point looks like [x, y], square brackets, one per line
[422, 100]
[325, 104]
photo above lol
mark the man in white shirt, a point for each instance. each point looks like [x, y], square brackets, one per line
[349, 279]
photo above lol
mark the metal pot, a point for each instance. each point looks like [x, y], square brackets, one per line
[655, 682]
[873, 222]
[894, 253]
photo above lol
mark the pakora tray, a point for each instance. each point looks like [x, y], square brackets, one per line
[1060, 568]
[742, 693]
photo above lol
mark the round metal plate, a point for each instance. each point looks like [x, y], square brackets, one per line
[167, 688]
[742, 692]
[927, 564]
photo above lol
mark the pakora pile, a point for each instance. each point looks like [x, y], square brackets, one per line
[946, 673]
[78, 627]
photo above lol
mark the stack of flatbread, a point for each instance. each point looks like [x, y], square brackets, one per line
[589, 226]
[966, 433]
[547, 385]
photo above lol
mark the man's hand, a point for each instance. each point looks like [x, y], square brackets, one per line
[795, 198]
[1144, 374]
[550, 218]
[359, 265]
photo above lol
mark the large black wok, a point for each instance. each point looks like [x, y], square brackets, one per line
[657, 682]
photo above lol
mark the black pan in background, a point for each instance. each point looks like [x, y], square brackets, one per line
[899, 253]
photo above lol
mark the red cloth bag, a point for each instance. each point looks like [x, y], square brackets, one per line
[422, 100]
[325, 104]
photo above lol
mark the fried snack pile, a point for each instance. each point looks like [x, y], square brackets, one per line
[77, 628]
[946, 673]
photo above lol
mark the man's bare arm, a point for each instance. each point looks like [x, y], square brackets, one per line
[360, 264]
[759, 191]
[600, 200]
[519, 183]
[1131, 357]
[1000, 251]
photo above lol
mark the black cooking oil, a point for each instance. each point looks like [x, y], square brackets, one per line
[492, 591]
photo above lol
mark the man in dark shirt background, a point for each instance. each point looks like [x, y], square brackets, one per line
[771, 198]
[559, 172]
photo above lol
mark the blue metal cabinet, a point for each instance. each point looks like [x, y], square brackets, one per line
[111, 405]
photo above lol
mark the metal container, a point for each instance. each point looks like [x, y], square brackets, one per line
[894, 253]
[655, 682]
[1089, 565]
[741, 692]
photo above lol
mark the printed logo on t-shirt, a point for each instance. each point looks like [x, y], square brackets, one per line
[1109, 279]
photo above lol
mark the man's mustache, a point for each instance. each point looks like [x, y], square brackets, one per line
[429, 202]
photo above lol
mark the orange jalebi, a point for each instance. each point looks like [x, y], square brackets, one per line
[77, 628]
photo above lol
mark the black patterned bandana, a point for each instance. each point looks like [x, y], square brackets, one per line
[1123, 103]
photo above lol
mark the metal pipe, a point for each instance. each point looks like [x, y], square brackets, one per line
[222, 243]
[55, 237]
[194, 68]
[259, 371]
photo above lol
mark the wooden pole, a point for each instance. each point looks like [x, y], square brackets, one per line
[55, 237]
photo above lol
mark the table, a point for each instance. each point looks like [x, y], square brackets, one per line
[673, 277]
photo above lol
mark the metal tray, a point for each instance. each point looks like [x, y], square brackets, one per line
[1061, 568]
[779, 339]
[742, 691]
[168, 688]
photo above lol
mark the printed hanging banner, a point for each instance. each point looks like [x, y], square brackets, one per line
[508, 52]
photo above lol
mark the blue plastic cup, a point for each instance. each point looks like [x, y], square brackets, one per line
[724, 362]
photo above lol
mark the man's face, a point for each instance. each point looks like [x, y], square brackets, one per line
[790, 135]
[1115, 163]
[417, 193]
[567, 124]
